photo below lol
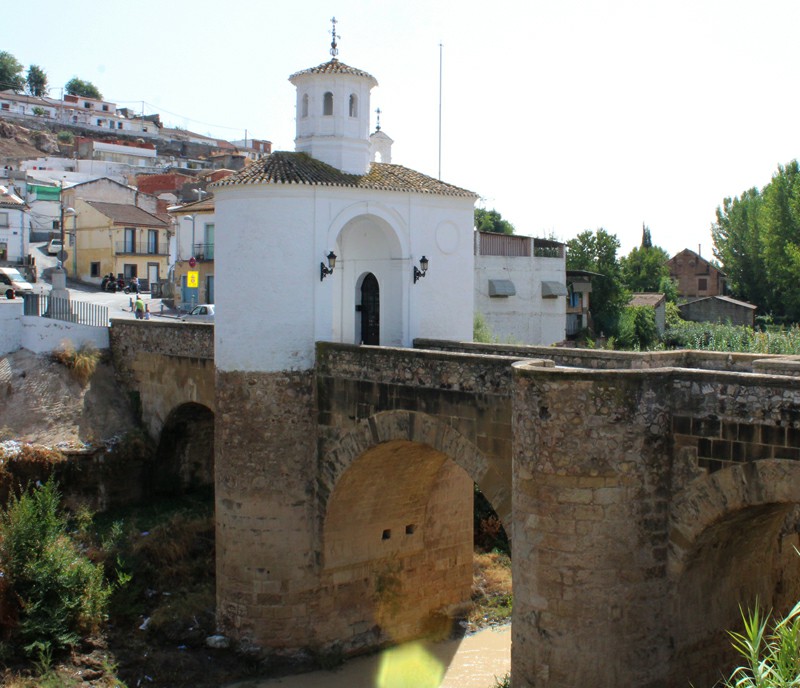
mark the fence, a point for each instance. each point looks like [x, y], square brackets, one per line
[79, 312]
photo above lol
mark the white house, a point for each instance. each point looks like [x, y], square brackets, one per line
[13, 227]
[520, 288]
[331, 246]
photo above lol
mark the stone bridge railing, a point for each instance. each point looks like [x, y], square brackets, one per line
[600, 359]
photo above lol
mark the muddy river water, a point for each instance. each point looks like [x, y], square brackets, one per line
[471, 662]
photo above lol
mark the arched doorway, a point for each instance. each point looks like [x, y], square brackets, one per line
[370, 310]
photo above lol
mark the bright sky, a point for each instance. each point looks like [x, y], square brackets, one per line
[564, 115]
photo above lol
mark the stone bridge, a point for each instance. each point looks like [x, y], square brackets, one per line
[647, 495]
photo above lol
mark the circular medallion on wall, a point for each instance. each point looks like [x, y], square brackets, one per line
[447, 237]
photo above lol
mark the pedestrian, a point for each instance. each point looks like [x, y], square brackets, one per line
[138, 308]
[147, 312]
[135, 284]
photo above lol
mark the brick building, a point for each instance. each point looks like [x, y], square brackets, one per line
[696, 277]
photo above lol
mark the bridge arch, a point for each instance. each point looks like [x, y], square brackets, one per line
[732, 541]
[185, 454]
[396, 528]
[423, 429]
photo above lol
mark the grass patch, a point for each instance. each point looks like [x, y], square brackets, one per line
[81, 362]
[492, 593]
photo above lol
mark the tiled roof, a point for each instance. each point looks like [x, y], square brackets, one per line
[334, 67]
[10, 200]
[283, 167]
[204, 206]
[652, 299]
[126, 214]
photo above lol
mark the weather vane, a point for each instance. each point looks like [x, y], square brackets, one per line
[334, 36]
[378, 125]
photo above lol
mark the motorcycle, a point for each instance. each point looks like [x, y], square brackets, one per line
[109, 284]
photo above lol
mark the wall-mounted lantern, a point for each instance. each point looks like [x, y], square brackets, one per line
[419, 272]
[324, 270]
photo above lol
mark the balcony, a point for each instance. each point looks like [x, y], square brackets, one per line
[141, 248]
[203, 252]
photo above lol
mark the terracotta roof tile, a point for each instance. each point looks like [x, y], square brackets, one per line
[283, 167]
[334, 67]
[126, 214]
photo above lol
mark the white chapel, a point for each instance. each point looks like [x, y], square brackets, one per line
[334, 242]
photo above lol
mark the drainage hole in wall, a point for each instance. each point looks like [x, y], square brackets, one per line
[386, 534]
[410, 528]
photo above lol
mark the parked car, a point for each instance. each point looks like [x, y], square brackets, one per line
[12, 283]
[54, 247]
[203, 312]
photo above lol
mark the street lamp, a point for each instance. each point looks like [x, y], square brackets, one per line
[192, 218]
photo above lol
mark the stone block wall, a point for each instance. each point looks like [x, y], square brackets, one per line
[722, 420]
[592, 472]
[268, 547]
[468, 396]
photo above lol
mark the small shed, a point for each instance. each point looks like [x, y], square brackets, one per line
[719, 309]
[658, 302]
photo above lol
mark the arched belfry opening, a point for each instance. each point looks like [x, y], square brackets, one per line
[370, 307]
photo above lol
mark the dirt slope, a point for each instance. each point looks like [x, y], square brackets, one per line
[41, 402]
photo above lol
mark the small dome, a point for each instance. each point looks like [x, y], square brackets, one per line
[334, 67]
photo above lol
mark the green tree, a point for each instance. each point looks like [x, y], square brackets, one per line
[492, 221]
[647, 240]
[597, 252]
[84, 89]
[781, 240]
[10, 72]
[645, 268]
[36, 81]
[737, 245]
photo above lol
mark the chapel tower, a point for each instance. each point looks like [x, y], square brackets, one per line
[333, 111]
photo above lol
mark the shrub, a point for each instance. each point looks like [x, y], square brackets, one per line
[82, 363]
[65, 137]
[772, 660]
[637, 328]
[56, 593]
[481, 332]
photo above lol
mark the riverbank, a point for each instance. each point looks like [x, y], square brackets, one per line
[478, 660]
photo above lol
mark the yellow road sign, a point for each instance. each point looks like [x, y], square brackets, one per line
[192, 278]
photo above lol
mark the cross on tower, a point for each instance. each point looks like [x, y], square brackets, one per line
[334, 36]
[378, 125]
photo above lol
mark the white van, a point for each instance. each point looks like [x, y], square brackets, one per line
[12, 283]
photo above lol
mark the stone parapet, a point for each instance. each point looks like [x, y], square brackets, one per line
[600, 359]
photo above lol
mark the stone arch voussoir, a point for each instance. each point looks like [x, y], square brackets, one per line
[711, 498]
[420, 428]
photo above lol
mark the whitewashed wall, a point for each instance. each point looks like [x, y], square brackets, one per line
[272, 306]
[10, 325]
[526, 317]
[42, 335]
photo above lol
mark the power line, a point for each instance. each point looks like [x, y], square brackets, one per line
[175, 114]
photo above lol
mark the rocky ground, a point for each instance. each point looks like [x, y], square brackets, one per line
[22, 143]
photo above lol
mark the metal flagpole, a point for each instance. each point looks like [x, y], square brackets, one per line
[440, 111]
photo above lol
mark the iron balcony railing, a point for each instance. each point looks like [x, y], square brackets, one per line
[69, 310]
[203, 251]
[142, 248]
